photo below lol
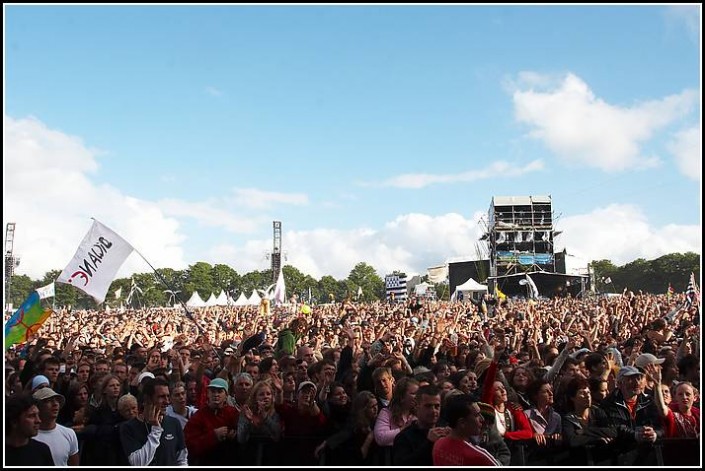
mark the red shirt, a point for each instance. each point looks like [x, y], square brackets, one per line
[448, 451]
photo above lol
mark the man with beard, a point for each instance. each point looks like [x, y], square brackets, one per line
[210, 432]
[61, 440]
[21, 424]
[153, 438]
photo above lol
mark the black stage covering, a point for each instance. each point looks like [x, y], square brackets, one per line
[549, 285]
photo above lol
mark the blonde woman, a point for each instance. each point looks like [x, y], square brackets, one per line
[259, 420]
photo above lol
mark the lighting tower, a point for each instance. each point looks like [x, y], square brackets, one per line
[11, 262]
[276, 250]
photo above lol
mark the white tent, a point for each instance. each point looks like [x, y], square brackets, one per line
[254, 299]
[195, 300]
[242, 300]
[222, 300]
[211, 300]
[471, 286]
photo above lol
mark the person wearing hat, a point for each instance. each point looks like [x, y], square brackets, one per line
[634, 415]
[153, 438]
[305, 425]
[38, 382]
[62, 441]
[642, 362]
[22, 424]
[210, 432]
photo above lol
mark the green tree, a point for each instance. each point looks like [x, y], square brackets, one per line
[200, 278]
[295, 282]
[365, 276]
[21, 286]
[328, 285]
[224, 278]
[255, 280]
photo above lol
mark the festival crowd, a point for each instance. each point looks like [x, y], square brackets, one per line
[594, 381]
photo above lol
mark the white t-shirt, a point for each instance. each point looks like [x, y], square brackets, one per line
[190, 410]
[62, 442]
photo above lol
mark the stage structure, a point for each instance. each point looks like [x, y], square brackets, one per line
[520, 237]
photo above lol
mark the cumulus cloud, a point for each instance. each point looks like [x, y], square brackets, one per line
[51, 190]
[685, 16]
[498, 169]
[583, 129]
[209, 213]
[258, 199]
[622, 233]
[50, 193]
[687, 147]
[410, 242]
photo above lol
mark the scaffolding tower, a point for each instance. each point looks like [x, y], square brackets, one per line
[521, 235]
[11, 262]
[276, 250]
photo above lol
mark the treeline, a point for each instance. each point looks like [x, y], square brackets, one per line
[652, 276]
[649, 276]
[207, 279]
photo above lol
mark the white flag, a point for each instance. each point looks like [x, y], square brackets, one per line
[118, 293]
[607, 280]
[100, 255]
[280, 289]
[532, 286]
[438, 274]
[359, 292]
[46, 291]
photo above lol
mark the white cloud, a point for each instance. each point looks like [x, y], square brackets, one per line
[212, 91]
[687, 148]
[209, 214]
[48, 194]
[414, 242]
[498, 169]
[258, 199]
[583, 129]
[622, 233]
[688, 16]
[411, 243]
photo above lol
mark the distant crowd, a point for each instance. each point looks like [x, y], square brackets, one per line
[415, 383]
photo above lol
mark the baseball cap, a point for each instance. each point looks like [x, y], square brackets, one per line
[47, 393]
[143, 375]
[307, 383]
[626, 371]
[39, 380]
[647, 359]
[218, 383]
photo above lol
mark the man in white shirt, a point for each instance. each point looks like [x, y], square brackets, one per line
[61, 440]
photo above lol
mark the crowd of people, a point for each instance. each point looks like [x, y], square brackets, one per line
[487, 383]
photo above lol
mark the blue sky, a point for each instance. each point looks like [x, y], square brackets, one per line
[374, 133]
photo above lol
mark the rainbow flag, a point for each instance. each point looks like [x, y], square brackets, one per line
[26, 321]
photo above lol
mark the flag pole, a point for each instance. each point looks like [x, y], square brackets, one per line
[161, 278]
